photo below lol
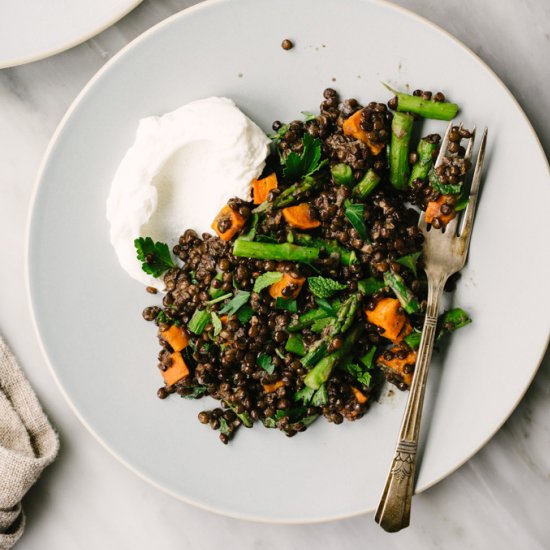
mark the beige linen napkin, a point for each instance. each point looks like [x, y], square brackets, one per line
[28, 444]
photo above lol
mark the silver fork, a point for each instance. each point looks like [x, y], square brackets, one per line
[444, 254]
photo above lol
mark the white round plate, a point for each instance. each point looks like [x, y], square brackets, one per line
[34, 29]
[88, 311]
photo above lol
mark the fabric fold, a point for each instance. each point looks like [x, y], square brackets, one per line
[28, 443]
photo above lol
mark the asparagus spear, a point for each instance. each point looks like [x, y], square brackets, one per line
[427, 108]
[401, 128]
[291, 194]
[448, 322]
[308, 319]
[370, 286]
[340, 324]
[421, 167]
[342, 174]
[295, 344]
[347, 257]
[321, 372]
[367, 184]
[406, 297]
[272, 251]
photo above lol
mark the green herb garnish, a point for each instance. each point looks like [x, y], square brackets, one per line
[354, 213]
[298, 166]
[198, 322]
[267, 279]
[409, 261]
[323, 287]
[154, 256]
[216, 323]
[239, 300]
[287, 305]
[265, 362]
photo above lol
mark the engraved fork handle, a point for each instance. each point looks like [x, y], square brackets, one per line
[395, 504]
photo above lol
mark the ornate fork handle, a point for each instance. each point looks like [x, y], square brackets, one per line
[395, 505]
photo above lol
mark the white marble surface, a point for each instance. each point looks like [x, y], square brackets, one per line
[87, 500]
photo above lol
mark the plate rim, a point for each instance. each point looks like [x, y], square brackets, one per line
[24, 60]
[207, 4]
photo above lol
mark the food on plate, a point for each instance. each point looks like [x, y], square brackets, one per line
[309, 290]
[179, 173]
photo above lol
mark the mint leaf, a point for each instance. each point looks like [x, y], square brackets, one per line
[154, 256]
[264, 361]
[245, 313]
[323, 287]
[297, 165]
[409, 261]
[354, 213]
[287, 305]
[216, 323]
[239, 300]
[267, 279]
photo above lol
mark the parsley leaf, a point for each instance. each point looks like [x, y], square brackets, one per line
[308, 116]
[267, 279]
[264, 361]
[279, 133]
[410, 261]
[370, 286]
[154, 257]
[287, 305]
[364, 377]
[323, 287]
[307, 162]
[239, 300]
[216, 323]
[305, 395]
[354, 213]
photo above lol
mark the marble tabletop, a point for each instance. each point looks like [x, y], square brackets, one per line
[499, 499]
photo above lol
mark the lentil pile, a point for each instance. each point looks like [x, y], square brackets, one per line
[310, 294]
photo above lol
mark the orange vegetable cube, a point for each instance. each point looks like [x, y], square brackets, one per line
[269, 388]
[395, 367]
[359, 395]
[227, 223]
[276, 289]
[177, 371]
[176, 337]
[300, 216]
[261, 188]
[433, 210]
[389, 315]
[352, 127]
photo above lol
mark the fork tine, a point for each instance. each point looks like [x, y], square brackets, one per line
[444, 144]
[468, 218]
[470, 146]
